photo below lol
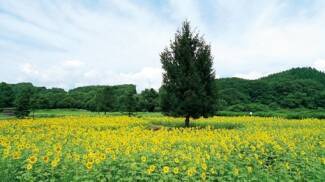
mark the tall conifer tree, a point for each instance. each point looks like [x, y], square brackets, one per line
[188, 88]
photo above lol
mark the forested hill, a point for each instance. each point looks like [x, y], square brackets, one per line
[296, 74]
[294, 88]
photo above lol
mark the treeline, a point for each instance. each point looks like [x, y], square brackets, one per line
[296, 88]
[93, 98]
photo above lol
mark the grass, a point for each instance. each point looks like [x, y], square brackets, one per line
[288, 114]
[51, 113]
[2, 116]
[62, 112]
[155, 123]
[80, 112]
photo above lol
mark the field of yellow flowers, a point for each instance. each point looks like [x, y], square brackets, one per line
[157, 148]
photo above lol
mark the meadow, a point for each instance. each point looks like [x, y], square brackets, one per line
[153, 147]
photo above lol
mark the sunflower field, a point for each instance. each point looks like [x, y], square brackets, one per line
[120, 148]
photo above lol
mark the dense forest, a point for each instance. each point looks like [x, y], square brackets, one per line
[291, 89]
[295, 88]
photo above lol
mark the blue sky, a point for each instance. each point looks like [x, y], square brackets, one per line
[71, 43]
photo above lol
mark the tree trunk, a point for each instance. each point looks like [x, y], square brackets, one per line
[187, 121]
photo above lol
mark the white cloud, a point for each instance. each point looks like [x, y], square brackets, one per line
[29, 69]
[72, 63]
[69, 44]
[186, 9]
[147, 78]
[54, 75]
[250, 76]
[319, 64]
[79, 74]
[270, 41]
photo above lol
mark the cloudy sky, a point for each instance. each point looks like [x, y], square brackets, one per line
[71, 43]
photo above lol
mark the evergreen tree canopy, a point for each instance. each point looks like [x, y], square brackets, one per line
[188, 87]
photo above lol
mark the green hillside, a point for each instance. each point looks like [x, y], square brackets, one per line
[294, 88]
[297, 74]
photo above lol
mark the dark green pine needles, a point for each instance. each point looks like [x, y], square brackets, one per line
[188, 88]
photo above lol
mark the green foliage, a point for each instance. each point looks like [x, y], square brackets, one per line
[55, 97]
[148, 100]
[292, 89]
[297, 74]
[283, 113]
[129, 103]
[320, 99]
[251, 107]
[23, 104]
[188, 88]
[86, 97]
[81, 98]
[6, 95]
[105, 100]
